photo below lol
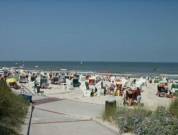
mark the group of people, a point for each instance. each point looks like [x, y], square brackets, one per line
[163, 90]
[116, 87]
[130, 94]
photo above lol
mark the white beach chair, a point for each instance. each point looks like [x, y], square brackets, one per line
[69, 84]
[86, 93]
[99, 89]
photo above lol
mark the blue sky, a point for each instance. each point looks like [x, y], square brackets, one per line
[89, 30]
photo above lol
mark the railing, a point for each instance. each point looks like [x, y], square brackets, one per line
[30, 119]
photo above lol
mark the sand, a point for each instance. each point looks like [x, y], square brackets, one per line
[149, 98]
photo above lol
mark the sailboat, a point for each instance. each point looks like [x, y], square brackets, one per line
[36, 66]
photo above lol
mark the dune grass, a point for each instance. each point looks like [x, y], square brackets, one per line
[13, 109]
[141, 121]
[174, 107]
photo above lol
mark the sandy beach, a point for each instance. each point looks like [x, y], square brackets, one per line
[149, 98]
[66, 103]
[72, 109]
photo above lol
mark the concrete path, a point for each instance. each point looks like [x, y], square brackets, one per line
[65, 117]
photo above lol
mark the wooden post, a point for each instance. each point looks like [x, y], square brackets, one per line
[110, 107]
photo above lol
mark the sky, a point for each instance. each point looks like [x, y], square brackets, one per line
[89, 30]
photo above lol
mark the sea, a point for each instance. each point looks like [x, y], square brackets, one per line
[102, 67]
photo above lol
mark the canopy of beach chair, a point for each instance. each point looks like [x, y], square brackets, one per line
[11, 80]
[163, 81]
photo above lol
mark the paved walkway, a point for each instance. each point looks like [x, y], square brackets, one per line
[64, 117]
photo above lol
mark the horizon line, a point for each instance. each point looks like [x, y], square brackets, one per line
[88, 61]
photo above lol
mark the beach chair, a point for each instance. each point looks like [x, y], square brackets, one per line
[86, 91]
[100, 88]
[69, 84]
[132, 96]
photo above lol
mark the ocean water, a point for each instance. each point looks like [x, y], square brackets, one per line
[111, 67]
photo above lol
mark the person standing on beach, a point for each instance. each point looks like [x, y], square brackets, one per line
[138, 93]
[112, 88]
[102, 86]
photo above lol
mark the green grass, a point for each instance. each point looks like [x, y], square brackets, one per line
[129, 119]
[4, 130]
[160, 122]
[13, 109]
[140, 121]
[174, 107]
